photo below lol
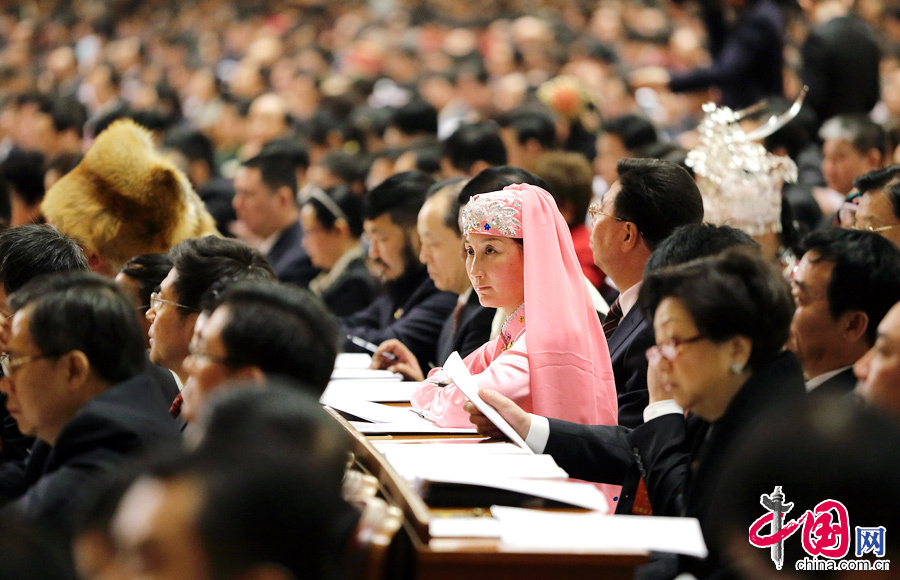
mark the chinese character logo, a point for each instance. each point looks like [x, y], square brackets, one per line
[869, 540]
[826, 529]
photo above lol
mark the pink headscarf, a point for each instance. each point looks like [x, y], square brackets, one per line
[568, 359]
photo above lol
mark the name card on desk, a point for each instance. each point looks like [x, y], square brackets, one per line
[620, 534]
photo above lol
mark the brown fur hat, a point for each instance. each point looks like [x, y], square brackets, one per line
[125, 199]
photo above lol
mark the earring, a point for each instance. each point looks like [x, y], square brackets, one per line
[736, 368]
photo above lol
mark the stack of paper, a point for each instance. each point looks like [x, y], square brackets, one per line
[364, 375]
[379, 391]
[588, 532]
[353, 360]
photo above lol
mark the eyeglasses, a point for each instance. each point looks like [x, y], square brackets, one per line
[8, 362]
[878, 229]
[595, 212]
[197, 353]
[670, 349]
[156, 302]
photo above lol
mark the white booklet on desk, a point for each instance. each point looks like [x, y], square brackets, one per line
[375, 391]
[462, 378]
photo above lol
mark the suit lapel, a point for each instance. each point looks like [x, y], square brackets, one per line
[627, 327]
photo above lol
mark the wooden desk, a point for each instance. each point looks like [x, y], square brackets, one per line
[421, 557]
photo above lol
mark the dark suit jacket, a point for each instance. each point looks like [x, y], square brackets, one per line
[412, 311]
[472, 330]
[353, 290]
[627, 351]
[747, 59]
[840, 67]
[681, 460]
[837, 386]
[108, 432]
[289, 258]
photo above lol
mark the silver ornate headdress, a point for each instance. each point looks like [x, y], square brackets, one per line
[498, 213]
[739, 180]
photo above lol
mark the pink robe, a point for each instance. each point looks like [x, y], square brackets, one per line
[494, 366]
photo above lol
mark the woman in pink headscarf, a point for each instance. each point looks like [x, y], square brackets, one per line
[551, 356]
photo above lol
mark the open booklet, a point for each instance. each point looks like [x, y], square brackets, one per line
[462, 378]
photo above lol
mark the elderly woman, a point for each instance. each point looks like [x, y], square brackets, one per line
[551, 355]
[720, 326]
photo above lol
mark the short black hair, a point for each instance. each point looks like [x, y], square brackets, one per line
[32, 250]
[200, 262]
[866, 274]
[284, 416]
[351, 168]
[861, 131]
[496, 178]
[275, 169]
[473, 142]
[264, 510]
[346, 201]
[635, 131]
[24, 172]
[416, 116]
[657, 196]
[886, 179]
[86, 312]
[293, 150]
[400, 195]
[735, 293]
[283, 330]
[695, 241]
[148, 270]
[194, 145]
[530, 123]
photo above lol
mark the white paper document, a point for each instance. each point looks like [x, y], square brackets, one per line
[368, 411]
[379, 391]
[462, 378]
[591, 532]
[353, 360]
[418, 427]
[364, 374]
[582, 495]
[482, 467]
[463, 527]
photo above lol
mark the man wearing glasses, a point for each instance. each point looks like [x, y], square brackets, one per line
[73, 377]
[640, 210]
[879, 206]
[198, 263]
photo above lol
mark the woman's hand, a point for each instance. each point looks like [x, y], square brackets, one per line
[655, 383]
[653, 77]
[518, 419]
[405, 363]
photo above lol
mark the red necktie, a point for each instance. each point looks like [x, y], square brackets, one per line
[175, 409]
[611, 322]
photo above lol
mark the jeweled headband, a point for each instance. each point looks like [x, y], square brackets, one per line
[498, 213]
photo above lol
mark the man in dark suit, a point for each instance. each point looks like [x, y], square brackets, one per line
[469, 325]
[843, 286]
[840, 59]
[73, 379]
[640, 210]
[412, 310]
[266, 207]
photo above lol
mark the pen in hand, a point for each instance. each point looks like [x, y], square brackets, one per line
[371, 347]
